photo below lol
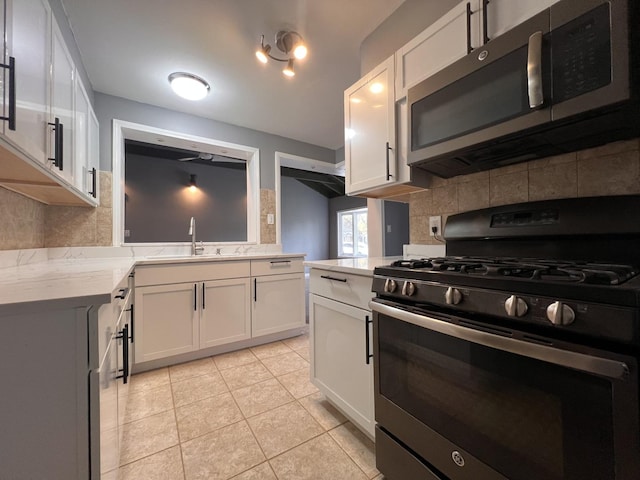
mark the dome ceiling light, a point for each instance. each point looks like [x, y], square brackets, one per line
[290, 43]
[189, 86]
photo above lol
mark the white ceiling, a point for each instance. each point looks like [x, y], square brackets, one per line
[129, 47]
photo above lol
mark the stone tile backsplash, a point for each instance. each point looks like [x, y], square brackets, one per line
[81, 226]
[21, 221]
[612, 169]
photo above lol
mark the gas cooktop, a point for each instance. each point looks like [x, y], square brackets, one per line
[533, 269]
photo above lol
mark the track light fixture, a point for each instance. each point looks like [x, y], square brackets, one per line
[289, 43]
[192, 183]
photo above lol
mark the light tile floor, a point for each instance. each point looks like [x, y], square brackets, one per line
[246, 415]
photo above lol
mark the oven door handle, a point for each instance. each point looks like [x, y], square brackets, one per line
[564, 358]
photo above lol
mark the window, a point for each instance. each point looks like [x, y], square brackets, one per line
[352, 233]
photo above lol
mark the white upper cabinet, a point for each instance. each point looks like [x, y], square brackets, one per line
[28, 41]
[93, 161]
[503, 15]
[86, 150]
[81, 130]
[370, 144]
[62, 105]
[37, 96]
[445, 41]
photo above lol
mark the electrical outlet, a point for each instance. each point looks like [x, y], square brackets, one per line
[436, 222]
[127, 233]
[270, 219]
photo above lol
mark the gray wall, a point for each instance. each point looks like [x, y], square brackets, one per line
[410, 18]
[396, 218]
[108, 107]
[335, 205]
[159, 204]
[305, 220]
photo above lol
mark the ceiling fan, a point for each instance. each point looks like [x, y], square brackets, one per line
[211, 157]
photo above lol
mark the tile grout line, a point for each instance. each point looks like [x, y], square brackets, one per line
[246, 418]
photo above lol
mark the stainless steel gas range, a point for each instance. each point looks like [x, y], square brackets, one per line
[516, 355]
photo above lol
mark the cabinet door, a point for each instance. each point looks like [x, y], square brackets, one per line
[62, 107]
[28, 36]
[166, 321]
[370, 145]
[503, 15]
[446, 40]
[81, 130]
[226, 312]
[339, 364]
[109, 431]
[278, 303]
[93, 161]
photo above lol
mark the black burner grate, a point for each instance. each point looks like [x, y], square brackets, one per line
[540, 270]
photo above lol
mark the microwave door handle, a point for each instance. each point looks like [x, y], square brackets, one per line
[534, 70]
[564, 358]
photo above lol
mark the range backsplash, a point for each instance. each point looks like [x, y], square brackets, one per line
[611, 169]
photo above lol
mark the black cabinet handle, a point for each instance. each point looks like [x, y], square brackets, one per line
[255, 289]
[203, 307]
[58, 152]
[123, 293]
[280, 261]
[195, 297]
[485, 31]
[469, 13]
[11, 117]
[124, 336]
[93, 191]
[60, 145]
[133, 319]
[343, 280]
[368, 353]
[388, 149]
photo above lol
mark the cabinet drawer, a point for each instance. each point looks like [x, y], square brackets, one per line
[276, 266]
[343, 287]
[195, 272]
[109, 315]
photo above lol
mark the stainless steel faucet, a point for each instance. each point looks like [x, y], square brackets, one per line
[195, 250]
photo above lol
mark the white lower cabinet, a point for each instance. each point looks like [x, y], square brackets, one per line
[341, 364]
[115, 321]
[226, 313]
[225, 302]
[278, 303]
[166, 320]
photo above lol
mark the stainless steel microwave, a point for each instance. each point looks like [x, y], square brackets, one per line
[563, 80]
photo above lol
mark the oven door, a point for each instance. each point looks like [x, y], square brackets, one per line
[484, 403]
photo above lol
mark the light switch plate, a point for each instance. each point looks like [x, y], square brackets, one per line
[270, 218]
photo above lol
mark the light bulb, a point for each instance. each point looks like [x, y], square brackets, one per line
[300, 51]
[263, 53]
[288, 70]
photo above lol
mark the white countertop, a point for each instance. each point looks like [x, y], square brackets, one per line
[76, 282]
[357, 266]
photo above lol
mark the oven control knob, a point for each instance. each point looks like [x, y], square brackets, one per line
[515, 306]
[408, 289]
[560, 314]
[452, 296]
[390, 285]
